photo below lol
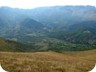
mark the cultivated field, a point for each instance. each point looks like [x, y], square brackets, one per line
[48, 61]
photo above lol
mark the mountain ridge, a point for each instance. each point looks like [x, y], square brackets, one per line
[51, 28]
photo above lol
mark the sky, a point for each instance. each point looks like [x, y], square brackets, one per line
[25, 4]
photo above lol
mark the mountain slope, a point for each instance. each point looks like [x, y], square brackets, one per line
[15, 24]
[56, 28]
[13, 46]
[63, 16]
[82, 32]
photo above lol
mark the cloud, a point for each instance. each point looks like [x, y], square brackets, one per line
[40, 3]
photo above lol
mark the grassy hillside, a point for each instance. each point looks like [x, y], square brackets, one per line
[82, 61]
[13, 46]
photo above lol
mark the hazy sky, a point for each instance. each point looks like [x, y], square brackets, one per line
[40, 3]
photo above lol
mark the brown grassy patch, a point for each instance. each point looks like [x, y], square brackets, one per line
[48, 61]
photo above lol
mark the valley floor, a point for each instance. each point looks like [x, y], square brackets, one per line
[48, 61]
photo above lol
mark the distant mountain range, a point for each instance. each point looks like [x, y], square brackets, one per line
[57, 28]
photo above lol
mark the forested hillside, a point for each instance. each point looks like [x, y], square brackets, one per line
[56, 28]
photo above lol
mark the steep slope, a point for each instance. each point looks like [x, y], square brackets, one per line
[13, 46]
[16, 25]
[82, 32]
[60, 17]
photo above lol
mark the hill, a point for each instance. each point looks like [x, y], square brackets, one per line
[83, 61]
[56, 28]
[61, 17]
[13, 46]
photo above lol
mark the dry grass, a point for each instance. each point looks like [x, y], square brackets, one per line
[48, 61]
